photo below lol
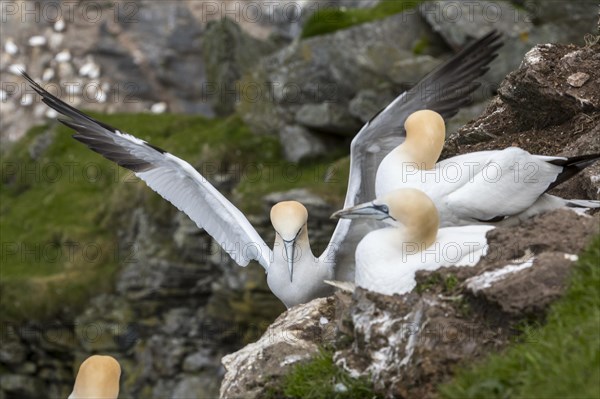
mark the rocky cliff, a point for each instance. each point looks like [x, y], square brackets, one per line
[172, 311]
[407, 345]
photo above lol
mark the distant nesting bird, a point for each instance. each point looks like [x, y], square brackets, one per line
[98, 378]
[501, 187]
[294, 274]
[388, 258]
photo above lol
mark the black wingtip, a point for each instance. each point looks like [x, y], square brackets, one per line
[572, 166]
[82, 123]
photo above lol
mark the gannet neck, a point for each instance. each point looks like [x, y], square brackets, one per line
[301, 244]
[425, 136]
[296, 276]
[289, 221]
[98, 377]
[417, 215]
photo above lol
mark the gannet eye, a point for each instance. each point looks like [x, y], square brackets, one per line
[384, 208]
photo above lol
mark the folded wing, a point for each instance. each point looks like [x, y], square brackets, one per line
[444, 90]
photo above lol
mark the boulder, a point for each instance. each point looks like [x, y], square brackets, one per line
[327, 117]
[299, 143]
[228, 53]
[538, 110]
[311, 81]
[294, 337]
[21, 386]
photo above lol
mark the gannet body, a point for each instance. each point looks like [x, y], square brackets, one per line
[293, 278]
[503, 186]
[387, 259]
[293, 257]
[98, 378]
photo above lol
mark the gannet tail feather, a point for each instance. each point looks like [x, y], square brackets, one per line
[572, 203]
[342, 285]
[572, 166]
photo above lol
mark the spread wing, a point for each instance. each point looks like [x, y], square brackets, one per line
[444, 90]
[173, 178]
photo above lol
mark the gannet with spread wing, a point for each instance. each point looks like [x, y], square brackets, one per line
[502, 186]
[98, 378]
[388, 258]
[294, 274]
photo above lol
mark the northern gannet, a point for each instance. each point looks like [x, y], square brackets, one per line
[294, 275]
[503, 186]
[446, 89]
[98, 378]
[388, 258]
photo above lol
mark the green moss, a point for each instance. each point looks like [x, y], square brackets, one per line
[329, 20]
[60, 212]
[560, 359]
[448, 283]
[317, 379]
[421, 46]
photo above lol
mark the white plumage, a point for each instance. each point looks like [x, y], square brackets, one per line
[480, 187]
[388, 258]
[293, 279]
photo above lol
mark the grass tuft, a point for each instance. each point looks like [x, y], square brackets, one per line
[560, 359]
[320, 378]
[328, 20]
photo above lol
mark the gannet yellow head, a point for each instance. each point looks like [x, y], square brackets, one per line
[289, 221]
[425, 136]
[98, 378]
[409, 208]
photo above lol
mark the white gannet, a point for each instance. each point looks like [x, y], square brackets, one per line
[179, 183]
[501, 186]
[388, 258]
[98, 378]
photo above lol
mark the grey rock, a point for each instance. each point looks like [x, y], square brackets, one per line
[166, 354]
[572, 19]
[333, 69]
[159, 278]
[544, 77]
[327, 117]
[21, 386]
[177, 321]
[12, 352]
[163, 388]
[526, 287]
[294, 337]
[198, 361]
[536, 98]
[58, 339]
[55, 374]
[367, 103]
[459, 21]
[26, 368]
[195, 387]
[228, 53]
[300, 143]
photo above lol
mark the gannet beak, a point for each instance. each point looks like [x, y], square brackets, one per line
[368, 210]
[289, 253]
